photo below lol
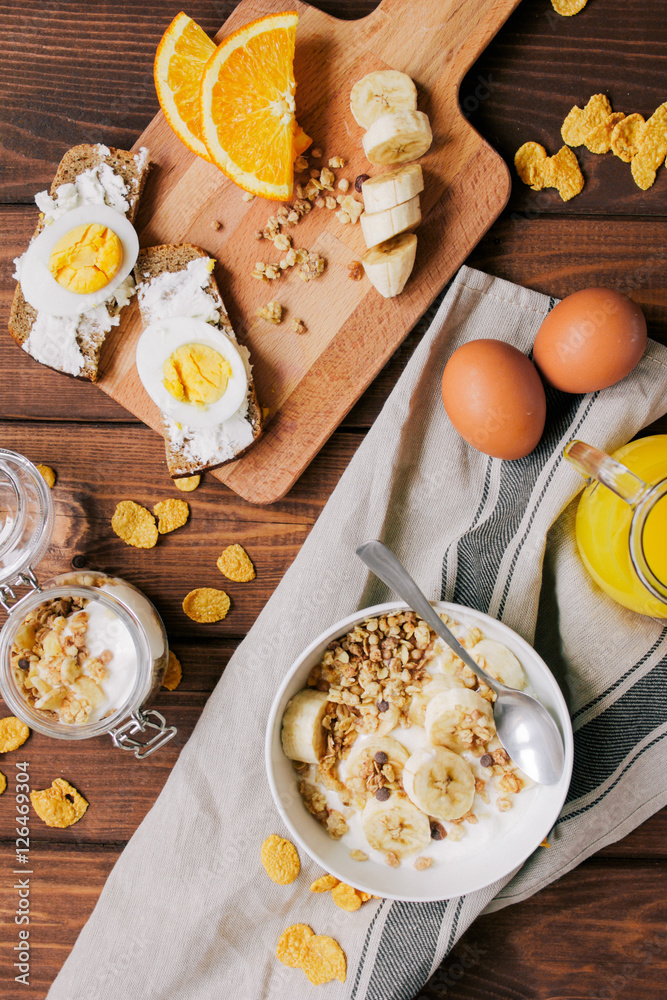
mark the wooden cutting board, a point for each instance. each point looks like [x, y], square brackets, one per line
[310, 381]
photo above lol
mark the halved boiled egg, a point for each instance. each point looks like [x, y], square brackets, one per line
[78, 261]
[192, 371]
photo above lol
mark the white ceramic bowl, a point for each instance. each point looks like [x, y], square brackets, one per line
[468, 871]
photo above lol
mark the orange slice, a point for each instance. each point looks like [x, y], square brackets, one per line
[180, 59]
[247, 106]
[301, 141]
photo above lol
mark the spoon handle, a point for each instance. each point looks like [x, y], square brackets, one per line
[386, 566]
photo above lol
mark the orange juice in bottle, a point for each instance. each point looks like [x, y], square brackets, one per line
[621, 523]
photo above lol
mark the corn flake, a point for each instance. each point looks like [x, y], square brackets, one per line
[206, 604]
[563, 173]
[324, 883]
[560, 171]
[626, 135]
[134, 525]
[292, 945]
[580, 121]
[60, 805]
[47, 474]
[171, 514]
[568, 7]
[529, 161]
[651, 148]
[598, 140]
[280, 859]
[13, 733]
[173, 673]
[188, 483]
[3, 782]
[345, 897]
[236, 565]
[323, 960]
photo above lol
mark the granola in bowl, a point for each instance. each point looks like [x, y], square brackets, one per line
[394, 744]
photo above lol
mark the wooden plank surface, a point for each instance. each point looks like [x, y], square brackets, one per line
[584, 936]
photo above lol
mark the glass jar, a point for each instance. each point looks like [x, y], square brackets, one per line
[122, 611]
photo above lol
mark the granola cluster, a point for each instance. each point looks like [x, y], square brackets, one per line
[52, 666]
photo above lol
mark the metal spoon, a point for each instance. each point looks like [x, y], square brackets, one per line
[524, 726]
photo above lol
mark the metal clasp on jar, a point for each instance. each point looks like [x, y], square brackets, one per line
[25, 579]
[141, 722]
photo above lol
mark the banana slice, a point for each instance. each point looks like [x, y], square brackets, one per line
[360, 762]
[388, 720]
[455, 718]
[392, 188]
[417, 710]
[398, 137]
[303, 735]
[440, 783]
[380, 92]
[500, 662]
[395, 825]
[381, 226]
[389, 265]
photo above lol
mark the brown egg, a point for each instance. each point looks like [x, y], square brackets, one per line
[494, 397]
[590, 340]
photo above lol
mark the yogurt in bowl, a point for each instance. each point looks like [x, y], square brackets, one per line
[383, 760]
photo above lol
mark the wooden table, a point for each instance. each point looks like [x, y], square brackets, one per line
[76, 72]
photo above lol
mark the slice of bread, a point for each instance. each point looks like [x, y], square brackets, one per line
[190, 451]
[133, 169]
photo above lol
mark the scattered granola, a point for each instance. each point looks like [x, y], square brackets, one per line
[300, 165]
[216, 225]
[188, 483]
[327, 178]
[171, 514]
[316, 153]
[343, 184]
[355, 270]
[330, 202]
[336, 162]
[13, 733]
[135, 525]
[60, 805]
[206, 605]
[353, 207]
[313, 267]
[47, 474]
[247, 196]
[421, 864]
[283, 241]
[298, 326]
[235, 563]
[173, 674]
[272, 312]
[280, 859]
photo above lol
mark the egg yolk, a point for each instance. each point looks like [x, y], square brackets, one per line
[197, 374]
[86, 259]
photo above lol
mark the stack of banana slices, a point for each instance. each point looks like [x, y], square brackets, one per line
[385, 104]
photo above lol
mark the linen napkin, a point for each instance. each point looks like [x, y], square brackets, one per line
[188, 912]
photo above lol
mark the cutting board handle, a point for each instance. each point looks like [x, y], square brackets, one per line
[463, 29]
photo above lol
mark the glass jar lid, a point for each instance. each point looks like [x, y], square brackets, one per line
[26, 520]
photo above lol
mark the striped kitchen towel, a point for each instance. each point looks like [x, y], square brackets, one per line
[188, 912]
